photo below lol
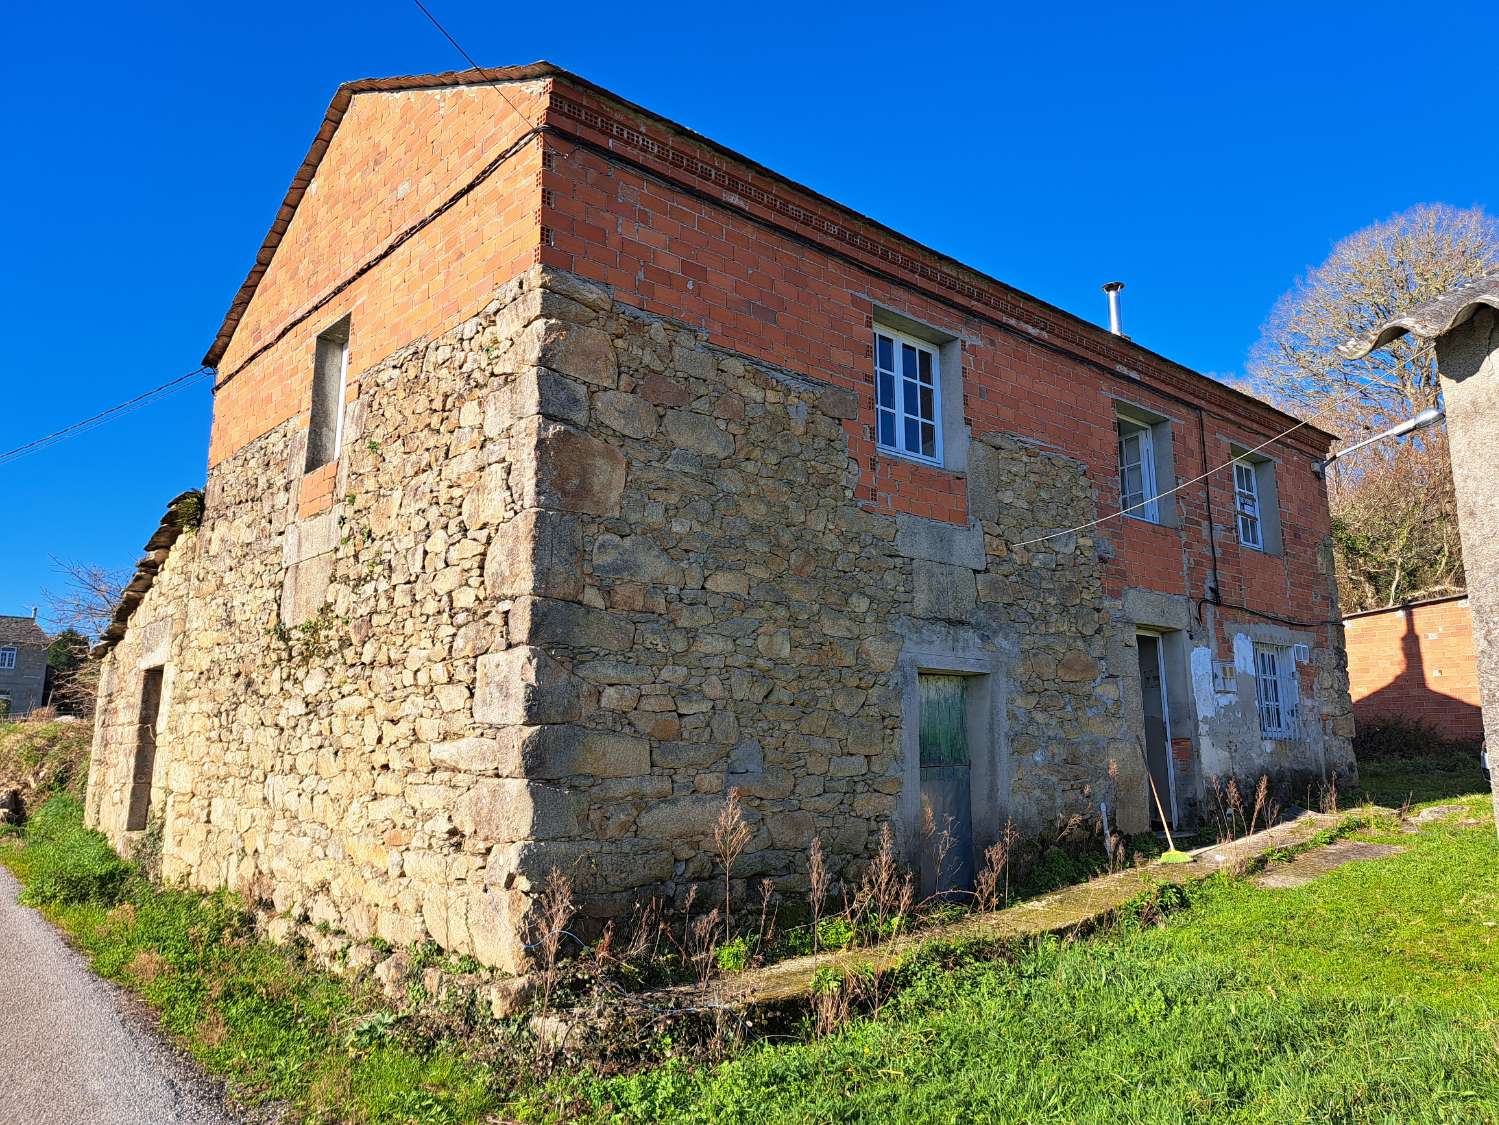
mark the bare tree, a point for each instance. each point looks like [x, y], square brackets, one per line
[1394, 520]
[87, 599]
[81, 609]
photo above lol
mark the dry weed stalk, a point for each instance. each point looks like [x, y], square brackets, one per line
[762, 939]
[1261, 793]
[817, 886]
[702, 942]
[940, 843]
[731, 835]
[992, 885]
[556, 911]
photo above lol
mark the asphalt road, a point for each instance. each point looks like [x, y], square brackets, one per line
[73, 1049]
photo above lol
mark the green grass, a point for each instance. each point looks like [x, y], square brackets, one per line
[1392, 780]
[247, 1010]
[1371, 994]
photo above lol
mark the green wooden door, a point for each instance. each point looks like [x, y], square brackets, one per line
[946, 784]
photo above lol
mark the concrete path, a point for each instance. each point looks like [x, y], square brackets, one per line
[1061, 912]
[72, 1051]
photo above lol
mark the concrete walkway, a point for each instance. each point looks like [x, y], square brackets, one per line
[72, 1052]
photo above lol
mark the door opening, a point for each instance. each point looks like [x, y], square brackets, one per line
[1157, 708]
[145, 751]
[946, 785]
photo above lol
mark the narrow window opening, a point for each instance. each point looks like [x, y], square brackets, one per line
[1276, 690]
[1137, 475]
[7, 659]
[330, 372]
[145, 750]
[1247, 505]
[908, 397]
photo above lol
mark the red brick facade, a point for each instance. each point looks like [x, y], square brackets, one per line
[1416, 661]
[679, 227]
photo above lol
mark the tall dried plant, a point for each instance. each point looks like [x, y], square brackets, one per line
[818, 881]
[731, 835]
[556, 911]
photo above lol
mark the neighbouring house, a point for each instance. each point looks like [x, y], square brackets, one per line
[23, 665]
[1416, 661]
[569, 470]
[1463, 327]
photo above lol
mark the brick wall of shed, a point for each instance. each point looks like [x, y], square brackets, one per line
[1418, 662]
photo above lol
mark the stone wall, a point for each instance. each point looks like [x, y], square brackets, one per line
[583, 574]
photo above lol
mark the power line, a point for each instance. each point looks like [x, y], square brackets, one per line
[1335, 404]
[446, 34]
[130, 406]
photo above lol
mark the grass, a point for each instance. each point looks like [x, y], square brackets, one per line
[1371, 994]
[1368, 995]
[42, 759]
[254, 1013]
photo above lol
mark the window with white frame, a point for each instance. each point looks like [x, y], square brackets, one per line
[1247, 505]
[1276, 690]
[908, 397]
[7, 658]
[1137, 475]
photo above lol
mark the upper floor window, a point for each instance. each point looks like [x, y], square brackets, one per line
[1247, 505]
[1256, 502]
[908, 396]
[1276, 690]
[1137, 477]
[7, 658]
[325, 423]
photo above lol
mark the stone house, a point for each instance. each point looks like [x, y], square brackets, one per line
[23, 664]
[568, 469]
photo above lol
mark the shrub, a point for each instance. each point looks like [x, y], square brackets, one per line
[68, 863]
[1401, 736]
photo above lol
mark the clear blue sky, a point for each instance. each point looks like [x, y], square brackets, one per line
[1204, 155]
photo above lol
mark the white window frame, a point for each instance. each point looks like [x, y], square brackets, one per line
[1147, 506]
[7, 659]
[1277, 691]
[1247, 505]
[896, 411]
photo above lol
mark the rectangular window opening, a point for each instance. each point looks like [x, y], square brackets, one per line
[330, 372]
[1138, 491]
[145, 750]
[1247, 505]
[1276, 690]
[908, 397]
[7, 658]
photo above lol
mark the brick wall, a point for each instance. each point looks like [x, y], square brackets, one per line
[1417, 661]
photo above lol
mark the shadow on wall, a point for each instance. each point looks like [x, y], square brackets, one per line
[1410, 696]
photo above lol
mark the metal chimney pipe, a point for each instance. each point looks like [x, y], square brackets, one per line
[33, 613]
[1112, 288]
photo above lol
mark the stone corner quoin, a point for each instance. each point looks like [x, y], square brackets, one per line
[595, 550]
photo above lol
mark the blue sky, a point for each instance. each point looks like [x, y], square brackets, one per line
[1204, 154]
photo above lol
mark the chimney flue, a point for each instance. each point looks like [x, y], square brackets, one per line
[1113, 289]
[33, 613]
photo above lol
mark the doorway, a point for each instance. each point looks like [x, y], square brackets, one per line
[946, 784]
[145, 751]
[1157, 708]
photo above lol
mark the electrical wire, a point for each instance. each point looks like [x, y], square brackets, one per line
[1307, 421]
[130, 406]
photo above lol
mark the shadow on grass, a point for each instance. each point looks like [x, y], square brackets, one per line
[1394, 780]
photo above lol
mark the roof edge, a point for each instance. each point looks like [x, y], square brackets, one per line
[543, 69]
